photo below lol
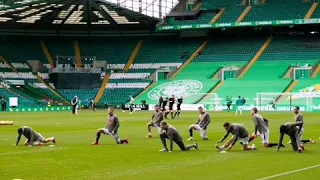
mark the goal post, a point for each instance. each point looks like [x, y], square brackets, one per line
[279, 101]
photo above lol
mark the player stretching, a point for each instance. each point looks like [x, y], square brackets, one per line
[111, 129]
[298, 117]
[171, 133]
[293, 131]
[157, 117]
[261, 128]
[180, 101]
[240, 133]
[201, 125]
[33, 137]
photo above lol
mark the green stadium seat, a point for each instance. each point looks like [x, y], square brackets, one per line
[279, 10]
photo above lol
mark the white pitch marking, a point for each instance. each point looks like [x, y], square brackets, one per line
[290, 172]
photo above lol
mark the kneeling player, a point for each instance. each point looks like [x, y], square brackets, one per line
[111, 129]
[293, 131]
[171, 133]
[261, 128]
[240, 134]
[33, 138]
[201, 125]
[157, 117]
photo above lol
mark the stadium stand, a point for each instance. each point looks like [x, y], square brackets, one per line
[283, 10]
[114, 51]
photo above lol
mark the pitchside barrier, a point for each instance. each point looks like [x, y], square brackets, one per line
[282, 102]
[39, 109]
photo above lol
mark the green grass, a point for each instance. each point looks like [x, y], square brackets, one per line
[75, 159]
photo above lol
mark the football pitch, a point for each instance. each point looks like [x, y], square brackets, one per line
[74, 158]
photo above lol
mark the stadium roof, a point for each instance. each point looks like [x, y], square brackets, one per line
[71, 14]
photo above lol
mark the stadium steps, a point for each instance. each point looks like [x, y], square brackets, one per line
[193, 56]
[51, 89]
[133, 56]
[316, 71]
[244, 14]
[197, 6]
[77, 52]
[216, 75]
[288, 73]
[47, 53]
[312, 10]
[255, 58]
[217, 16]
[102, 89]
[214, 90]
[289, 89]
[147, 89]
[8, 64]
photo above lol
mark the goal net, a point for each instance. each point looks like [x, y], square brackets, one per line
[307, 101]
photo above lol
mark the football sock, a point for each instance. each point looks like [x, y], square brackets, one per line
[179, 113]
[98, 137]
[149, 133]
[191, 132]
[271, 145]
[305, 141]
[175, 114]
[166, 115]
[251, 138]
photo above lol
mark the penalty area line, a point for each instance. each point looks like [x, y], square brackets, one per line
[289, 172]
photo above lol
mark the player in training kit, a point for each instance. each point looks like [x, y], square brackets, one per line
[239, 103]
[293, 131]
[180, 101]
[131, 104]
[111, 129]
[157, 117]
[33, 138]
[172, 100]
[239, 134]
[171, 133]
[201, 125]
[261, 128]
[160, 101]
[164, 104]
[298, 117]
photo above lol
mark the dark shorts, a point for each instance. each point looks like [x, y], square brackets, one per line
[170, 107]
[179, 107]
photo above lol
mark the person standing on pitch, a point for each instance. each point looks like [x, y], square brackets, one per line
[33, 137]
[160, 101]
[171, 133]
[202, 124]
[239, 103]
[131, 104]
[74, 103]
[293, 131]
[239, 134]
[157, 117]
[172, 100]
[261, 128]
[228, 102]
[111, 129]
[180, 101]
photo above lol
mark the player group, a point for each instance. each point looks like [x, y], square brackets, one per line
[166, 132]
